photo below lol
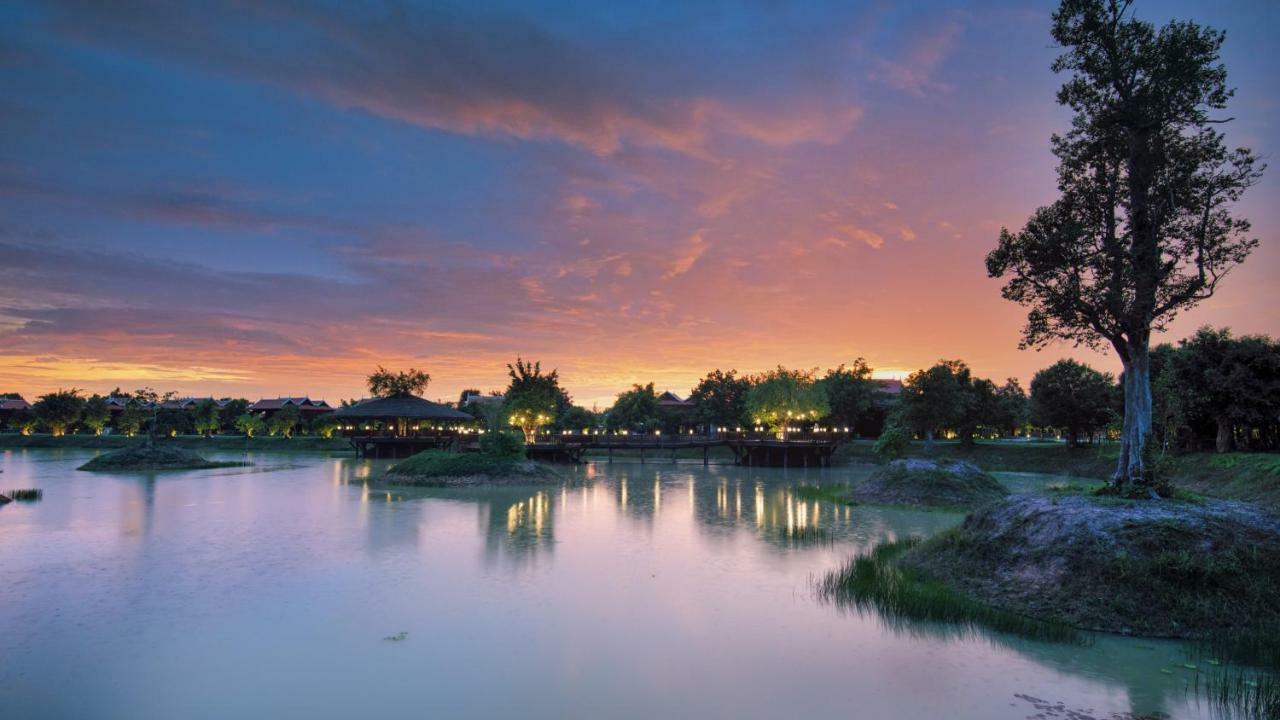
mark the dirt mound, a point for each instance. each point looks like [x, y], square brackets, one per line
[928, 482]
[1168, 568]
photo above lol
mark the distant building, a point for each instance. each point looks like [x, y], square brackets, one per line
[190, 403]
[11, 405]
[473, 398]
[308, 408]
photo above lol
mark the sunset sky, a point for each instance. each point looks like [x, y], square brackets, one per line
[271, 198]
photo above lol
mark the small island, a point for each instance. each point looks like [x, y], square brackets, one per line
[152, 456]
[501, 461]
[1174, 568]
[929, 483]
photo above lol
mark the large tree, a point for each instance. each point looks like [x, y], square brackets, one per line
[1072, 397]
[850, 392]
[935, 399]
[636, 410]
[533, 398]
[1143, 228]
[721, 399]
[1231, 383]
[59, 410]
[783, 397]
[96, 414]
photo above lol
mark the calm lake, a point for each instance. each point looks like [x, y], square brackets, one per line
[293, 590]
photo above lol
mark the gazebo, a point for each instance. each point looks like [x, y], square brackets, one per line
[407, 424]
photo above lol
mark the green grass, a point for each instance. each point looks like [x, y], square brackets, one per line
[1249, 477]
[837, 493]
[875, 581]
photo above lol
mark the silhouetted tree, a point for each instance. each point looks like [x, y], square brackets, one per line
[385, 383]
[1072, 397]
[850, 392]
[1143, 227]
[59, 410]
[720, 399]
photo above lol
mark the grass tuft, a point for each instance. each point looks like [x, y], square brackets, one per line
[875, 581]
[27, 495]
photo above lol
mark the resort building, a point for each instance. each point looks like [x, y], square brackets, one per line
[399, 426]
[11, 405]
[308, 408]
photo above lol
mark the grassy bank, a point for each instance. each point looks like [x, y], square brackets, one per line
[1250, 477]
[229, 443]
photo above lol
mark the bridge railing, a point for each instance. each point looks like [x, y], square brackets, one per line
[651, 440]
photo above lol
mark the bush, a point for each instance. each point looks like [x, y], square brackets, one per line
[502, 444]
[893, 441]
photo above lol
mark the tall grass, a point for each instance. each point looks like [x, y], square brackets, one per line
[29, 494]
[902, 597]
[1250, 687]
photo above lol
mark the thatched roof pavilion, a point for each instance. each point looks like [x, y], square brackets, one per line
[401, 412]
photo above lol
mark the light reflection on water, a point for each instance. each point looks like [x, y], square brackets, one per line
[649, 590]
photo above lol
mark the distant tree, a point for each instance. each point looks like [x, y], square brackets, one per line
[1072, 397]
[636, 410]
[720, 399]
[385, 383]
[782, 397]
[132, 419]
[24, 421]
[283, 421]
[1169, 409]
[850, 392]
[935, 399]
[230, 410]
[576, 419]
[96, 414]
[1013, 408]
[205, 418]
[1143, 228]
[324, 425]
[533, 399]
[250, 425]
[1234, 383]
[59, 410]
[170, 422]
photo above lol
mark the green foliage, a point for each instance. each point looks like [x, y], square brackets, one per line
[783, 397]
[720, 399]
[96, 414]
[131, 419]
[576, 419]
[250, 425]
[1012, 408]
[850, 392]
[385, 383]
[635, 410]
[284, 421]
[1073, 397]
[533, 399]
[502, 444]
[876, 582]
[24, 421]
[206, 419]
[324, 425]
[230, 411]
[894, 440]
[59, 410]
[172, 422]
[936, 398]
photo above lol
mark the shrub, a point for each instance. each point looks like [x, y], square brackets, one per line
[893, 441]
[502, 444]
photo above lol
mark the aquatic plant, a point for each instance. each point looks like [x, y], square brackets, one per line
[29, 494]
[902, 596]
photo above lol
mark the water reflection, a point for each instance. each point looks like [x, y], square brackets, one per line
[634, 591]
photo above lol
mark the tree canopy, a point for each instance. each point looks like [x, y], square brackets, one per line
[384, 384]
[782, 397]
[720, 399]
[59, 410]
[1143, 228]
[1072, 397]
[850, 392]
[636, 410]
[533, 398]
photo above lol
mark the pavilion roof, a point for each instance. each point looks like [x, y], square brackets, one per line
[409, 407]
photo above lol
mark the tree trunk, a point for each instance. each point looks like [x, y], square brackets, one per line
[1131, 470]
[1226, 434]
[1073, 437]
[928, 441]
